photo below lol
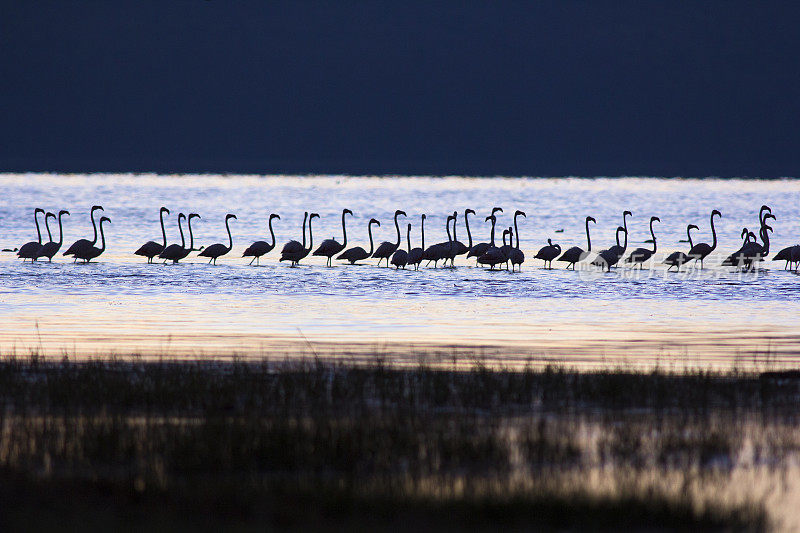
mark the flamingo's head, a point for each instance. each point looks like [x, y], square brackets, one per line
[48, 215]
[192, 215]
[655, 219]
[626, 214]
[400, 212]
[275, 215]
[96, 208]
[691, 226]
[424, 216]
[591, 219]
[347, 212]
[769, 215]
[38, 210]
[520, 213]
[229, 216]
[105, 219]
[497, 210]
[469, 212]
[715, 212]
[164, 210]
[63, 212]
[376, 221]
[312, 216]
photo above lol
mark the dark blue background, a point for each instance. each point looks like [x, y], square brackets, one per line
[515, 88]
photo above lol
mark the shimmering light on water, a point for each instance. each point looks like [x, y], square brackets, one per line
[714, 317]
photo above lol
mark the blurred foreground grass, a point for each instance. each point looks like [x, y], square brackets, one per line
[304, 443]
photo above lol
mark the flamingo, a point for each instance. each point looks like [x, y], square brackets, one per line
[80, 246]
[218, 250]
[415, 255]
[51, 248]
[330, 247]
[479, 249]
[790, 254]
[30, 250]
[400, 257]
[507, 249]
[640, 255]
[575, 254]
[437, 252]
[259, 248]
[87, 254]
[357, 253]
[620, 250]
[701, 250]
[290, 250]
[150, 249]
[176, 252]
[457, 247]
[386, 248]
[517, 257]
[548, 253]
[678, 259]
[492, 256]
[608, 258]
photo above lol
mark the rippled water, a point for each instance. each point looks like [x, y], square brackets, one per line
[717, 316]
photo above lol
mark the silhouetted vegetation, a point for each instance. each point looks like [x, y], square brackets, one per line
[337, 445]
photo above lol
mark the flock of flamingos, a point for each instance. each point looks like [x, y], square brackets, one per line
[486, 253]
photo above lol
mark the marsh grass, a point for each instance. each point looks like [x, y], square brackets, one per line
[307, 443]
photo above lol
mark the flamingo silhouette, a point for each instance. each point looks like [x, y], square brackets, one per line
[576, 253]
[400, 257]
[260, 248]
[386, 248]
[415, 255]
[81, 246]
[357, 253]
[51, 248]
[330, 247]
[290, 250]
[30, 250]
[150, 249]
[701, 250]
[87, 254]
[640, 255]
[217, 250]
[678, 259]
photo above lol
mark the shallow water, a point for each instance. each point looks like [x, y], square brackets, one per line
[715, 317]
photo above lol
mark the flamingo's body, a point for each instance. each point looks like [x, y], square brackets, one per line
[386, 248]
[93, 252]
[701, 250]
[548, 253]
[294, 254]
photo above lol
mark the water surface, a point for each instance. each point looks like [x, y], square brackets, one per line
[714, 317]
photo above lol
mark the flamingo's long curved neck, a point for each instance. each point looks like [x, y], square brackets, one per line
[305, 218]
[466, 223]
[765, 238]
[310, 236]
[397, 227]
[516, 231]
[454, 226]
[588, 239]
[713, 233]
[422, 230]
[94, 225]
[618, 230]
[494, 221]
[163, 231]
[689, 236]
[371, 244]
[653, 235]
[38, 231]
[449, 237]
[60, 230]
[408, 238]
[344, 231]
[230, 237]
[47, 226]
[102, 237]
[272, 233]
[180, 228]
